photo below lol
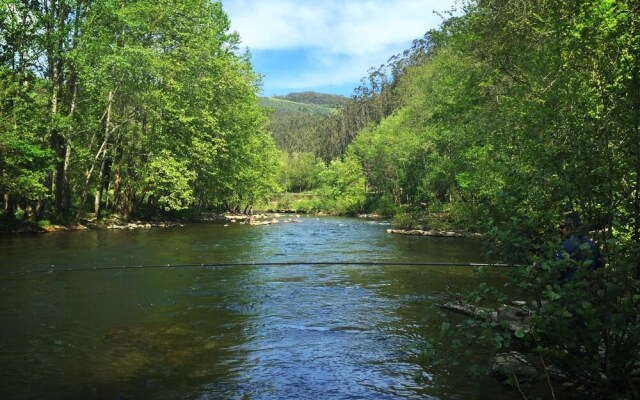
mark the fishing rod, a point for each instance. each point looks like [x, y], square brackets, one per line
[53, 268]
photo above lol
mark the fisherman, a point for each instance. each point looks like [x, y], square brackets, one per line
[580, 258]
[578, 248]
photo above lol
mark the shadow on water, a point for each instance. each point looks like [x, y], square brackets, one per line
[260, 332]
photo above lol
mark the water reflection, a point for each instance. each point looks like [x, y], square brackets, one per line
[261, 332]
[314, 333]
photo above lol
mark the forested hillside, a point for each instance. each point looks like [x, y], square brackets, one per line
[281, 108]
[323, 99]
[129, 108]
[313, 143]
[291, 122]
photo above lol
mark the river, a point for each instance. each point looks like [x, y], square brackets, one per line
[231, 330]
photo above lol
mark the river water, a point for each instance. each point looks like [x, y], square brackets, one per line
[285, 331]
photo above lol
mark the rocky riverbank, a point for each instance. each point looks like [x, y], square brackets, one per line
[260, 219]
[432, 232]
[29, 227]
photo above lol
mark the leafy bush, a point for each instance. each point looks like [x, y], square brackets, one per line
[299, 171]
[342, 187]
[382, 205]
[405, 221]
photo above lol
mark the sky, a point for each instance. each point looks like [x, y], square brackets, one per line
[327, 46]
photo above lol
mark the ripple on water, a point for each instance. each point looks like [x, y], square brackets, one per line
[260, 332]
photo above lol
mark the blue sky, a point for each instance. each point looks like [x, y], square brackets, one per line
[327, 45]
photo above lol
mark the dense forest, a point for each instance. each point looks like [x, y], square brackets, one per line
[291, 121]
[127, 108]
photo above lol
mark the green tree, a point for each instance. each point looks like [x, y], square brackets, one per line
[169, 182]
[300, 171]
[23, 168]
[342, 186]
[24, 157]
[109, 87]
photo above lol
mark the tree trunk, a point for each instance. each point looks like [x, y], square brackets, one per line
[101, 153]
[57, 13]
[63, 195]
[117, 191]
[101, 174]
[57, 183]
[98, 197]
[9, 205]
[8, 217]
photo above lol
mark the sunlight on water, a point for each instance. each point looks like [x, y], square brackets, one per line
[256, 332]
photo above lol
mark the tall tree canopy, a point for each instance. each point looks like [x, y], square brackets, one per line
[527, 108]
[119, 104]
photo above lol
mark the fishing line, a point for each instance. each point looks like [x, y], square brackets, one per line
[53, 268]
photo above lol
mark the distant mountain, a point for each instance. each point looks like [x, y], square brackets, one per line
[305, 103]
[324, 99]
[294, 117]
[280, 107]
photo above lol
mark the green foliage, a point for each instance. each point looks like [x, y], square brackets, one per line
[23, 167]
[302, 202]
[587, 326]
[406, 221]
[169, 182]
[388, 152]
[134, 101]
[342, 186]
[307, 205]
[293, 120]
[300, 171]
[381, 204]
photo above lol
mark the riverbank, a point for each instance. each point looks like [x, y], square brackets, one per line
[29, 227]
[433, 233]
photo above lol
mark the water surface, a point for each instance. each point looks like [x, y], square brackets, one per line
[295, 331]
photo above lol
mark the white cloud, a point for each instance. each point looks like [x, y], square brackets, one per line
[349, 70]
[343, 37]
[337, 27]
